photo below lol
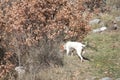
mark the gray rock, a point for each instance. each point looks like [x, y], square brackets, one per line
[20, 69]
[118, 79]
[117, 18]
[99, 29]
[106, 78]
[94, 21]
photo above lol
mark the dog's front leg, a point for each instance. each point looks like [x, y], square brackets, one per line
[67, 51]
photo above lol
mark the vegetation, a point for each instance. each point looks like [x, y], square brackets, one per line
[105, 61]
[31, 32]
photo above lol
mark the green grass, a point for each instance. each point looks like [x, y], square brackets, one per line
[106, 60]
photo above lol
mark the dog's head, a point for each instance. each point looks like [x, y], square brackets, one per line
[62, 47]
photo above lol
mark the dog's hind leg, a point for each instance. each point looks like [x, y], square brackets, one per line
[79, 52]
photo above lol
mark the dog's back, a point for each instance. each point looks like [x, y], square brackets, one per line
[75, 45]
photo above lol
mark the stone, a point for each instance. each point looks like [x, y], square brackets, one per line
[117, 18]
[94, 21]
[106, 78]
[99, 29]
[117, 79]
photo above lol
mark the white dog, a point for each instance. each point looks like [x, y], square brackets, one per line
[76, 45]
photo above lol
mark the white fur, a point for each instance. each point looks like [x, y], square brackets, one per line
[76, 45]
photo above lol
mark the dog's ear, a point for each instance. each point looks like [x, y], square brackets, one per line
[62, 47]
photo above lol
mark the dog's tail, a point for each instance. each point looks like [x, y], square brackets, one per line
[88, 45]
[86, 58]
[83, 45]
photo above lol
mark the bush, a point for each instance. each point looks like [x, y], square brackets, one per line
[32, 30]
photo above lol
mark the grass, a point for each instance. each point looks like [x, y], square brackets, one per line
[72, 70]
[104, 62]
[106, 59]
[104, 56]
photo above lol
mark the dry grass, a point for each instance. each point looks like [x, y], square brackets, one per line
[104, 62]
[73, 69]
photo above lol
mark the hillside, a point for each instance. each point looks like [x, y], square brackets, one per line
[32, 32]
[104, 62]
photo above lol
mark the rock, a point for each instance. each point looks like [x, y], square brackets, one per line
[117, 18]
[20, 69]
[118, 79]
[103, 28]
[96, 30]
[100, 29]
[114, 26]
[106, 78]
[94, 21]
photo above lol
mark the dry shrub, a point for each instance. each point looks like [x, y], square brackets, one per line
[95, 5]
